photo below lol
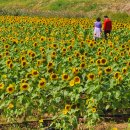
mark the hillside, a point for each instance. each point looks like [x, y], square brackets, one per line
[66, 7]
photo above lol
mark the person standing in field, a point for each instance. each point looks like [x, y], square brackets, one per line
[107, 26]
[97, 28]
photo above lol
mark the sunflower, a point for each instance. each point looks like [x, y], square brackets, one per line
[115, 58]
[64, 50]
[28, 75]
[103, 61]
[108, 70]
[98, 62]
[10, 89]
[75, 71]
[54, 46]
[23, 63]
[69, 59]
[116, 75]
[0, 56]
[42, 49]
[22, 58]
[50, 70]
[82, 65]
[91, 76]
[91, 61]
[24, 86]
[76, 80]
[42, 83]
[91, 44]
[6, 53]
[6, 46]
[71, 83]
[67, 107]
[10, 65]
[77, 54]
[50, 64]
[8, 62]
[99, 73]
[53, 76]
[94, 110]
[65, 77]
[35, 44]
[53, 55]
[42, 38]
[65, 111]
[128, 64]
[24, 81]
[4, 76]
[70, 47]
[10, 106]
[35, 73]
[82, 57]
[99, 53]
[124, 70]
[39, 62]
[33, 54]
[1, 86]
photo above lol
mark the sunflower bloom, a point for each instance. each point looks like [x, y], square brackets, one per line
[50, 65]
[24, 86]
[103, 61]
[124, 70]
[91, 76]
[42, 83]
[67, 107]
[71, 83]
[116, 75]
[10, 89]
[83, 65]
[1, 86]
[76, 80]
[65, 77]
[54, 76]
[108, 70]
[75, 71]
[35, 73]
[93, 110]
[10, 106]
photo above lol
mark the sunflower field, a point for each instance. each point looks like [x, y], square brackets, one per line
[53, 66]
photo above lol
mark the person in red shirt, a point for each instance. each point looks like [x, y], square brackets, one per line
[107, 26]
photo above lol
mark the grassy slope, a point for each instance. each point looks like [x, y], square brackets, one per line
[82, 7]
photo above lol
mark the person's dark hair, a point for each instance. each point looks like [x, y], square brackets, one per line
[105, 16]
[98, 19]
